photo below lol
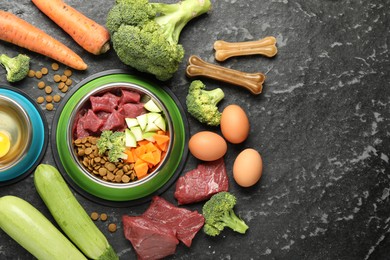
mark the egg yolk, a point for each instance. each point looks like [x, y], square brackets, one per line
[5, 144]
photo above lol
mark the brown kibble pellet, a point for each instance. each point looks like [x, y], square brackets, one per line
[49, 99]
[40, 100]
[125, 178]
[48, 90]
[41, 84]
[49, 106]
[44, 70]
[112, 227]
[63, 78]
[94, 216]
[103, 217]
[61, 85]
[57, 98]
[68, 82]
[55, 66]
[68, 72]
[64, 89]
[31, 73]
[57, 78]
[38, 74]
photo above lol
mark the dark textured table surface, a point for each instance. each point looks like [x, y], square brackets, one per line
[321, 125]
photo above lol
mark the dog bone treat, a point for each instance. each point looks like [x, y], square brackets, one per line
[225, 50]
[250, 81]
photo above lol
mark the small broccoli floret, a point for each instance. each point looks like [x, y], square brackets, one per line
[113, 143]
[145, 35]
[218, 213]
[202, 103]
[17, 67]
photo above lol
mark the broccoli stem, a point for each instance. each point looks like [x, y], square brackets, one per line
[216, 95]
[174, 17]
[232, 221]
[5, 60]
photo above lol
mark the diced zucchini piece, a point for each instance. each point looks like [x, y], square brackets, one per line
[142, 120]
[130, 122]
[160, 123]
[130, 138]
[152, 106]
[151, 127]
[149, 136]
[137, 131]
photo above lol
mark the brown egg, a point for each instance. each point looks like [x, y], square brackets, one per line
[248, 168]
[207, 146]
[234, 124]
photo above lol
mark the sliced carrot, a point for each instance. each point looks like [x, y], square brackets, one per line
[157, 156]
[90, 35]
[23, 34]
[143, 142]
[141, 170]
[148, 157]
[150, 147]
[160, 139]
[130, 156]
[163, 147]
[140, 150]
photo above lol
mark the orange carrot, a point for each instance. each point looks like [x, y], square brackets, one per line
[23, 34]
[90, 35]
[141, 170]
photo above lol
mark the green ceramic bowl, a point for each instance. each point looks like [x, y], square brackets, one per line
[103, 191]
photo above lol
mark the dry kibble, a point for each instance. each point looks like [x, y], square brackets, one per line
[57, 78]
[103, 217]
[68, 82]
[49, 99]
[38, 74]
[48, 90]
[63, 78]
[40, 100]
[55, 66]
[41, 84]
[68, 72]
[31, 73]
[57, 98]
[61, 85]
[64, 89]
[49, 106]
[44, 70]
[112, 227]
[94, 216]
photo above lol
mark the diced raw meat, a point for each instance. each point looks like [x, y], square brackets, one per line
[114, 121]
[103, 115]
[129, 96]
[80, 131]
[91, 121]
[131, 110]
[184, 222]
[108, 102]
[201, 183]
[149, 240]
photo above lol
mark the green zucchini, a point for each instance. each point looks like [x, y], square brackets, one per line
[70, 215]
[33, 231]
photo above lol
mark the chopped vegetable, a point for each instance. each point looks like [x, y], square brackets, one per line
[202, 103]
[70, 215]
[145, 35]
[218, 213]
[17, 67]
[114, 143]
[33, 231]
[87, 33]
[21, 33]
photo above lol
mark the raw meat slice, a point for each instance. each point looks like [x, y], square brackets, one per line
[115, 121]
[131, 110]
[149, 239]
[129, 96]
[107, 103]
[91, 121]
[184, 222]
[201, 183]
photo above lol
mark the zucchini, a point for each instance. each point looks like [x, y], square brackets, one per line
[70, 215]
[33, 231]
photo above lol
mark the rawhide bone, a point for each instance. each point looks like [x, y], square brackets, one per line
[251, 81]
[225, 50]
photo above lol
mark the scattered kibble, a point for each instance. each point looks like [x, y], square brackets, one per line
[49, 98]
[64, 89]
[103, 217]
[41, 84]
[38, 74]
[48, 90]
[49, 106]
[112, 227]
[57, 78]
[68, 72]
[63, 78]
[55, 66]
[94, 216]
[44, 71]
[68, 82]
[56, 98]
[40, 100]
[31, 73]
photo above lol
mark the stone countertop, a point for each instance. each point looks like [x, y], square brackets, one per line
[321, 126]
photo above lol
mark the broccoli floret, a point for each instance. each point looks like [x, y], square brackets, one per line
[17, 67]
[113, 143]
[202, 103]
[145, 35]
[218, 213]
